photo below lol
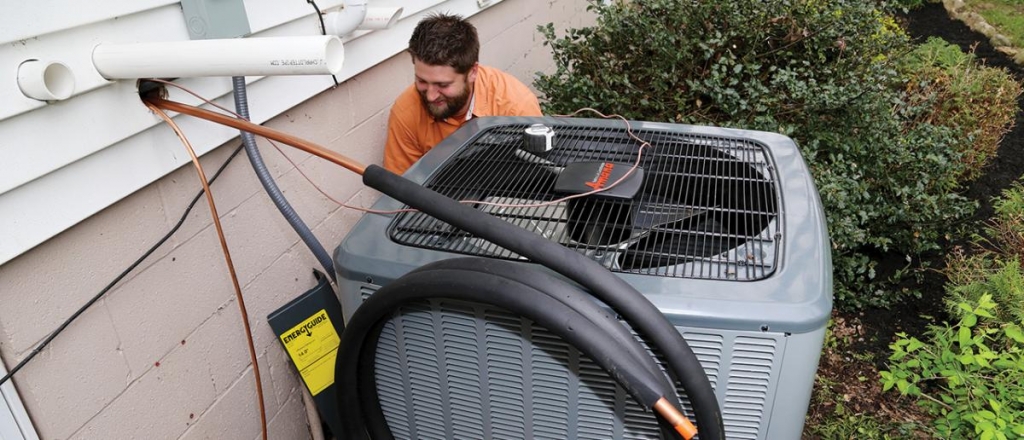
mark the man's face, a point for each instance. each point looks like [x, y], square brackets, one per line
[444, 92]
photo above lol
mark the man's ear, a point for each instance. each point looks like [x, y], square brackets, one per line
[471, 75]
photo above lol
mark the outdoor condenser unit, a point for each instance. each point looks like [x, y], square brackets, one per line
[723, 232]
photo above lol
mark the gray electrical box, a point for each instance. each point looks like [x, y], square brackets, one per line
[210, 19]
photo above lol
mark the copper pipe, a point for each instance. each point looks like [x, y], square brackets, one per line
[675, 418]
[259, 130]
[227, 259]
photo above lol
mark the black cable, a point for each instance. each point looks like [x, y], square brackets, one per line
[123, 274]
[614, 291]
[552, 306]
[527, 277]
[323, 31]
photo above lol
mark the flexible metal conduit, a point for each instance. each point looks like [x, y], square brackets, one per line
[251, 150]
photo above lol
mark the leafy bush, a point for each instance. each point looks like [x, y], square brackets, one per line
[978, 102]
[969, 375]
[1007, 228]
[823, 72]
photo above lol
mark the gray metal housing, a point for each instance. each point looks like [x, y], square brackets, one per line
[760, 339]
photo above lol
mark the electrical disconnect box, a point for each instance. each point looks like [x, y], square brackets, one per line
[209, 19]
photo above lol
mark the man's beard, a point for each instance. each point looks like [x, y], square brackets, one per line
[452, 105]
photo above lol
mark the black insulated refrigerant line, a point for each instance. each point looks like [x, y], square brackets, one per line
[242, 107]
[609, 288]
[524, 290]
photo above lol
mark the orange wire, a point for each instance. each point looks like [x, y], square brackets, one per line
[227, 259]
[242, 124]
[278, 148]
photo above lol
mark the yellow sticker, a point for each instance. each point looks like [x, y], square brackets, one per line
[313, 347]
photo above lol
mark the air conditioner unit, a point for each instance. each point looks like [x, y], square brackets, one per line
[725, 235]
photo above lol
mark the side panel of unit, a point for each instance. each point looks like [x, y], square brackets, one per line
[459, 370]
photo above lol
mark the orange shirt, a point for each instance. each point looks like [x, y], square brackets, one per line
[412, 131]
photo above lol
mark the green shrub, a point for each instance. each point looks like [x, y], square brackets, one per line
[980, 103]
[970, 376]
[1007, 228]
[824, 72]
[1005, 281]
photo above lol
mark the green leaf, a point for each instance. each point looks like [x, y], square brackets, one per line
[914, 344]
[1004, 364]
[966, 359]
[964, 336]
[995, 405]
[970, 320]
[987, 415]
[1013, 332]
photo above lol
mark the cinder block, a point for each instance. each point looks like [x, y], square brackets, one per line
[339, 183]
[497, 19]
[164, 304]
[257, 234]
[335, 227]
[282, 373]
[75, 377]
[237, 184]
[234, 415]
[376, 89]
[220, 344]
[365, 142]
[160, 404]
[45, 286]
[288, 277]
[312, 206]
[330, 111]
[270, 394]
[510, 46]
[291, 422]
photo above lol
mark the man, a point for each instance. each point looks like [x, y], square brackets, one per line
[450, 88]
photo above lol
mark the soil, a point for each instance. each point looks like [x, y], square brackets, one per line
[848, 369]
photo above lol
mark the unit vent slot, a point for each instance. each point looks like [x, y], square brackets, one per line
[473, 371]
[750, 379]
[707, 208]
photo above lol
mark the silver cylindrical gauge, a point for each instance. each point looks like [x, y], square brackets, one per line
[538, 138]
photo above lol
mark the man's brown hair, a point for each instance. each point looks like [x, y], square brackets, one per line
[445, 40]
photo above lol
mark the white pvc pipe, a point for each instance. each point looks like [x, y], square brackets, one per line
[45, 80]
[346, 20]
[316, 55]
[356, 15]
[380, 18]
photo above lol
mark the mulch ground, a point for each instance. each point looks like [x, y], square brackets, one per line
[849, 368]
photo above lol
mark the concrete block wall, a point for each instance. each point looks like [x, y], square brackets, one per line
[163, 354]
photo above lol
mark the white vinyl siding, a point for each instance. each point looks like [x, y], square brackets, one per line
[63, 162]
